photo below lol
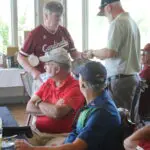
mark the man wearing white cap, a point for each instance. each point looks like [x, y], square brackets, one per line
[58, 99]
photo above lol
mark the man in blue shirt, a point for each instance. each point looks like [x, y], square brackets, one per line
[97, 125]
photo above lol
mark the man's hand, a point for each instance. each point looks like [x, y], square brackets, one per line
[88, 54]
[22, 145]
[60, 102]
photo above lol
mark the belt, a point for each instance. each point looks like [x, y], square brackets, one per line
[119, 76]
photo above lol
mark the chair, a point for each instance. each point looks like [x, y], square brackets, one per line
[27, 81]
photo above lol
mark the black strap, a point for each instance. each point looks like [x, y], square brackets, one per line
[119, 76]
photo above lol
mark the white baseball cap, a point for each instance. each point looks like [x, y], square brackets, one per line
[59, 55]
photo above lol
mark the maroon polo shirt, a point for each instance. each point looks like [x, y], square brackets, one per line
[40, 40]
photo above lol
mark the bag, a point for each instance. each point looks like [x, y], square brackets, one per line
[20, 131]
[127, 126]
[140, 110]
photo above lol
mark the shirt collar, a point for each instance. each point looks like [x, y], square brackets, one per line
[99, 100]
[68, 78]
[121, 15]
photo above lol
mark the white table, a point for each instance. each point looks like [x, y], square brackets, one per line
[11, 83]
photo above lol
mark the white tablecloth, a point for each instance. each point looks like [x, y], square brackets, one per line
[10, 82]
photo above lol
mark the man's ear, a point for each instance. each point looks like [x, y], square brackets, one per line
[109, 8]
[84, 85]
[57, 69]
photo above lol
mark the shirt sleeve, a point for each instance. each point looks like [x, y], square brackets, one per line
[116, 35]
[96, 128]
[74, 98]
[28, 46]
[70, 41]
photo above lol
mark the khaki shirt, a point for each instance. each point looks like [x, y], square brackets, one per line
[124, 38]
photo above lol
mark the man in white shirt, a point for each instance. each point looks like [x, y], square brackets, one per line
[122, 54]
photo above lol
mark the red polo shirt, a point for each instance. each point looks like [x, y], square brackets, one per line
[145, 73]
[145, 145]
[68, 91]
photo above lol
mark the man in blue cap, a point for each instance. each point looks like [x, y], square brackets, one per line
[121, 54]
[97, 125]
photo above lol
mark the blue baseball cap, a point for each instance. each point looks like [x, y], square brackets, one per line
[103, 4]
[93, 72]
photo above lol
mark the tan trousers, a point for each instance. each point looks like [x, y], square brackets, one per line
[45, 139]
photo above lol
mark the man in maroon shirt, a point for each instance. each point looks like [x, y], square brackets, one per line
[46, 37]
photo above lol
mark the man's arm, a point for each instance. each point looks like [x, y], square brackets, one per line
[133, 140]
[75, 54]
[54, 111]
[78, 144]
[23, 61]
[31, 108]
[100, 53]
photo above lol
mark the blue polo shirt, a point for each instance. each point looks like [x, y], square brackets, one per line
[96, 121]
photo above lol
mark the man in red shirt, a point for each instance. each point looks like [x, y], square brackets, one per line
[141, 137]
[145, 73]
[44, 38]
[58, 99]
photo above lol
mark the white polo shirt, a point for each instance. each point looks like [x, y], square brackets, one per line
[124, 38]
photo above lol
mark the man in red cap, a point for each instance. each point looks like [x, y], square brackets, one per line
[121, 54]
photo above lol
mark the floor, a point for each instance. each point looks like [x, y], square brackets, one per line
[19, 113]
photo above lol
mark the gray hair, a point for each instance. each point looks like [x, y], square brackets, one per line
[96, 87]
[53, 6]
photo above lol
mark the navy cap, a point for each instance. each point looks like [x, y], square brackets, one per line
[93, 72]
[103, 4]
[76, 66]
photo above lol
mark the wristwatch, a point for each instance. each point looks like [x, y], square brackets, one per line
[38, 102]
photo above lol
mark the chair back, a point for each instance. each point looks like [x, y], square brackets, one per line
[27, 81]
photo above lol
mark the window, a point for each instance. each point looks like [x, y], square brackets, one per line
[25, 18]
[5, 26]
[140, 14]
[74, 22]
[98, 26]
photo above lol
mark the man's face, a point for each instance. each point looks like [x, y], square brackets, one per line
[145, 58]
[52, 20]
[52, 68]
[107, 12]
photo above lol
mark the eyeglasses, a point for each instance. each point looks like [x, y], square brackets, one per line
[143, 52]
